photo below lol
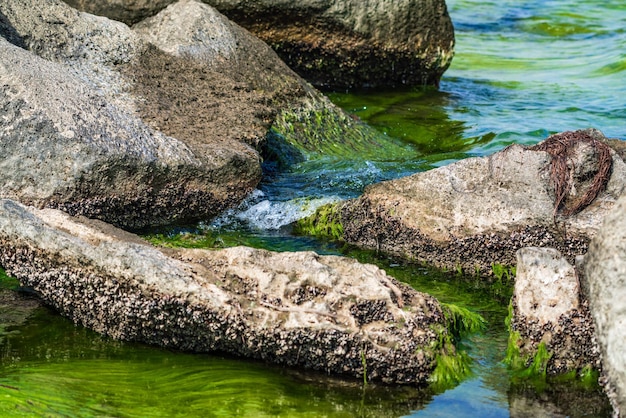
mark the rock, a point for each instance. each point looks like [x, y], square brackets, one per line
[604, 281]
[335, 43]
[71, 148]
[134, 135]
[127, 11]
[325, 313]
[479, 211]
[549, 309]
[299, 118]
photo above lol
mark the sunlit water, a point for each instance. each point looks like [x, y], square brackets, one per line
[522, 70]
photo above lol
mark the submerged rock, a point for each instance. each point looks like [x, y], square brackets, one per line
[325, 313]
[551, 327]
[480, 211]
[333, 43]
[604, 280]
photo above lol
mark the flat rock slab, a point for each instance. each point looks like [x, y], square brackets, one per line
[299, 309]
[479, 211]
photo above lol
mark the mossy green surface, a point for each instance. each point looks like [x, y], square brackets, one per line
[533, 368]
[8, 282]
[452, 366]
[324, 223]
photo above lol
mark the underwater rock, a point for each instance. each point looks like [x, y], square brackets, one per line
[604, 281]
[551, 327]
[300, 309]
[480, 211]
[334, 43]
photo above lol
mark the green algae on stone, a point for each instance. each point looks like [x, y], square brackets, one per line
[324, 223]
[323, 130]
[534, 368]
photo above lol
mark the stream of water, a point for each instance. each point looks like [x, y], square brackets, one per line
[522, 70]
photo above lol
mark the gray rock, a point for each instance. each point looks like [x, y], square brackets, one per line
[127, 11]
[353, 43]
[138, 135]
[70, 147]
[549, 308]
[604, 280]
[479, 211]
[334, 43]
[299, 309]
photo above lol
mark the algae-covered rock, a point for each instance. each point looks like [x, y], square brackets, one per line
[604, 280]
[551, 327]
[300, 309]
[480, 211]
[300, 119]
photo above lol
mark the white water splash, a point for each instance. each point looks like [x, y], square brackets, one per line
[258, 212]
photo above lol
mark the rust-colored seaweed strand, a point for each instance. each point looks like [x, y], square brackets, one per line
[556, 146]
[560, 147]
[600, 180]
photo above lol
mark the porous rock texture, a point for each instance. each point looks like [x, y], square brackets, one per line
[604, 280]
[549, 307]
[136, 134]
[325, 313]
[334, 43]
[127, 11]
[480, 211]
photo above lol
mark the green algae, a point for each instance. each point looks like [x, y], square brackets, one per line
[324, 223]
[54, 368]
[453, 364]
[461, 320]
[306, 134]
[7, 282]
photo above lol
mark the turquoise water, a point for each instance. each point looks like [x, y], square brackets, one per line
[522, 70]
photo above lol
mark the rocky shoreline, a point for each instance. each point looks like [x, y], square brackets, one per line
[168, 123]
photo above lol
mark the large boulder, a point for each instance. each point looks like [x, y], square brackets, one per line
[69, 147]
[326, 313]
[141, 135]
[604, 280]
[480, 211]
[334, 43]
[551, 329]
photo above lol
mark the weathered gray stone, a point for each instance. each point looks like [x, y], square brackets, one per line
[548, 308]
[604, 280]
[132, 134]
[127, 11]
[70, 147]
[479, 211]
[334, 43]
[299, 309]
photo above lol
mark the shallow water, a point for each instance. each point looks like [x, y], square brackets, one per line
[522, 70]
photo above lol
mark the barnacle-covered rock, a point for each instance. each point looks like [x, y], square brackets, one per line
[299, 309]
[480, 211]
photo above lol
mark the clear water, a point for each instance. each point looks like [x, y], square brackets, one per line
[522, 70]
